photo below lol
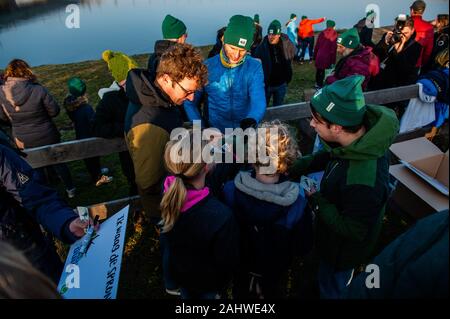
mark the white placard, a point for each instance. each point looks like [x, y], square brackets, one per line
[95, 275]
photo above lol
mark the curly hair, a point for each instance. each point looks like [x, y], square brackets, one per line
[183, 61]
[19, 69]
[281, 148]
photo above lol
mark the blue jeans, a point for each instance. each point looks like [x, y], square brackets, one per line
[307, 43]
[332, 283]
[278, 93]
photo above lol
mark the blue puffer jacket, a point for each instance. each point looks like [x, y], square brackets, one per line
[232, 94]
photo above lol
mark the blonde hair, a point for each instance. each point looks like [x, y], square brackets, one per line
[19, 279]
[442, 58]
[187, 166]
[287, 151]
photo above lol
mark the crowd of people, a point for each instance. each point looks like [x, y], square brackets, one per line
[231, 222]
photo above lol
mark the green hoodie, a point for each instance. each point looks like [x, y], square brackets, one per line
[353, 191]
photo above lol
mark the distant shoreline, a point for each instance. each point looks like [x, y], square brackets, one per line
[377, 34]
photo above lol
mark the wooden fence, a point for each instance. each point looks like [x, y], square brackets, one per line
[81, 149]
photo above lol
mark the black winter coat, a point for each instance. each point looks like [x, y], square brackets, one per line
[110, 115]
[263, 53]
[399, 68]
[203, 247]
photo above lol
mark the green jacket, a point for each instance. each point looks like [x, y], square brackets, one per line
[353, 192]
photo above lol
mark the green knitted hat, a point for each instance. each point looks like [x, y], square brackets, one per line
[119, 64]
[342, 102]
[304, 17]
[173, 28]
[331, 24]
[76, 86]
[293, 15]
[349, 39]
[239, 32]
[256, 18]
[274, 27]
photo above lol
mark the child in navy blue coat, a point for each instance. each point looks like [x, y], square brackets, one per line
[82, 116]
[201, 233]
[270, 210]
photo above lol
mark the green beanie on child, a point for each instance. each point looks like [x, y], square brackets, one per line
[76, 87]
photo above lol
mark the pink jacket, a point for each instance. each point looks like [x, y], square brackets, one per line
[325, 49]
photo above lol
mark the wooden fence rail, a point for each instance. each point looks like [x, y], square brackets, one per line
[91, 147]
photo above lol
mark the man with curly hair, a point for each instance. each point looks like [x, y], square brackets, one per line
[154, 111]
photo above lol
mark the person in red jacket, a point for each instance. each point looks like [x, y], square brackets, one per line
[306, 35]
[424, 32]
[325, 52]
[356, 59]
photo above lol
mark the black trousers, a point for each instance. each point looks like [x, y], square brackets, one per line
[307, 43]
[93, 167]
[128, 170]
[320, 77]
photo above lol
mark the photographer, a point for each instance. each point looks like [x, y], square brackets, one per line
[398, 53]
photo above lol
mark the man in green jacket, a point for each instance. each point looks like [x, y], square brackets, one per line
[350, 204]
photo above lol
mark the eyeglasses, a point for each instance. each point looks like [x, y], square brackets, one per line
[186, 92]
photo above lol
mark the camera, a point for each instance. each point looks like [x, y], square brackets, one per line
[400, 22]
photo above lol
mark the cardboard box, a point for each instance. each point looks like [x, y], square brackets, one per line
[416, 196]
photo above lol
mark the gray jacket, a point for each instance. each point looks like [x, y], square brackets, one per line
[29, 108]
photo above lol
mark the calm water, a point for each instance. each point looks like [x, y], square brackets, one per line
[35, 30]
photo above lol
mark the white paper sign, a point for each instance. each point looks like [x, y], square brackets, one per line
[95, 275]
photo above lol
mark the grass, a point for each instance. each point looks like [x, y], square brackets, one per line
[141, 275]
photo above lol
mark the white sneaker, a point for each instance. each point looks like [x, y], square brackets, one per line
[104, 180]
[71, 192]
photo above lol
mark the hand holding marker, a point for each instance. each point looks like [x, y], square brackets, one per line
[88, 237]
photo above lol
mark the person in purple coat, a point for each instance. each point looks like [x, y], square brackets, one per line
[356, 59]
[325, 52]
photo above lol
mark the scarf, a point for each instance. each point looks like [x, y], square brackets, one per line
[226, 62]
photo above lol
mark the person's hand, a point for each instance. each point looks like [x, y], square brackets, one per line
[78, 227]
[388, 37]
[311, 192]
[400, 45]
[248, 122]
